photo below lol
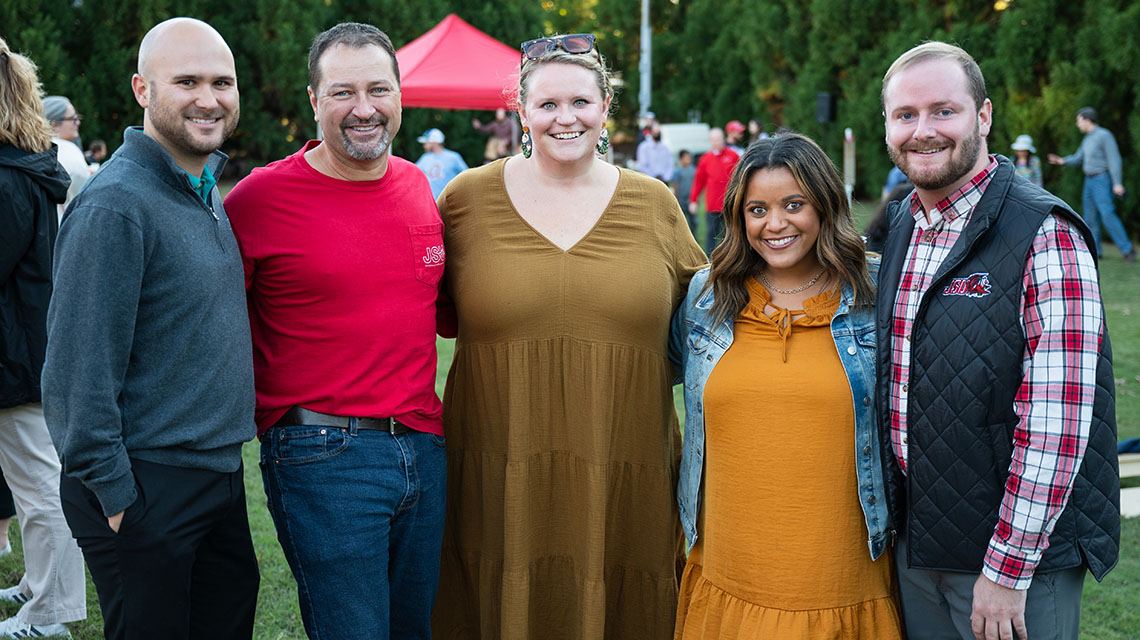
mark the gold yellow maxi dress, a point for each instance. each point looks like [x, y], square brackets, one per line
[562, 441]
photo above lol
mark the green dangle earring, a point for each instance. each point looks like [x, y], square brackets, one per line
[527, 145]
[603, 142]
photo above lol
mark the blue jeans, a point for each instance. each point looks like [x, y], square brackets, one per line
[714, 232]
[1097, 202]
[691, 218]
[359, 515]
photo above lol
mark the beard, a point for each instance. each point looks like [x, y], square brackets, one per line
[171, 124]
[962, 158]
[367, 150]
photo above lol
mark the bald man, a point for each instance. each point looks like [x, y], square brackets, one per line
[148, 381]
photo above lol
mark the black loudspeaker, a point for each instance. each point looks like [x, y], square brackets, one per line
[824, 107]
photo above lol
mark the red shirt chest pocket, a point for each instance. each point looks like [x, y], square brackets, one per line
[427, 252]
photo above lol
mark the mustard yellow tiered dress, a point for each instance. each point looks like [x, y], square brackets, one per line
[782, 550]
[562, 442]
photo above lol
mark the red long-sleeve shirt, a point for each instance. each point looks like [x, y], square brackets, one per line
[713, 171]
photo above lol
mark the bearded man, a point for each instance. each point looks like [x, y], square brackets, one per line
[343, 250]
[148, 383]
[997, 388]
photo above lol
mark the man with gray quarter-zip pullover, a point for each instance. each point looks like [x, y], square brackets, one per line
[148, 383]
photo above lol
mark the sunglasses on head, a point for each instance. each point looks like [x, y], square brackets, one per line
[572, 43]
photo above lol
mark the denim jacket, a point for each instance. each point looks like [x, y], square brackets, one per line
[696, 346]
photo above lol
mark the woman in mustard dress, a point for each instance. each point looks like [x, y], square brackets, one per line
[781, 492]
[562, 441]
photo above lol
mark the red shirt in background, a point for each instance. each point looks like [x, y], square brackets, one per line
[342, 281]
[713, 171]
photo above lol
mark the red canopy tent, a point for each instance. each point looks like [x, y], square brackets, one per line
[456, 66]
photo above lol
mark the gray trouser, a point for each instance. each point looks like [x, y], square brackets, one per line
[936, 605]
[53, 564]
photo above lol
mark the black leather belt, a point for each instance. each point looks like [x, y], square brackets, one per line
[302, 416]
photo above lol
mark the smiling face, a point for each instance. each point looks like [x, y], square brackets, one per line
[357, 103]
[565, 112]
[188, 86]
[934, 131]
[781, 224]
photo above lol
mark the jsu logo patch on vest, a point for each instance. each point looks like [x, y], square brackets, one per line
[975, 285]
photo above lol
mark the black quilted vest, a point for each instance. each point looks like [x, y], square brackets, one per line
[966, 352]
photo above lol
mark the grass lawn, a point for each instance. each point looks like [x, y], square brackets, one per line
[1109, 609]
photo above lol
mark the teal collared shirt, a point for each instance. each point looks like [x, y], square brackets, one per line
[203, 185]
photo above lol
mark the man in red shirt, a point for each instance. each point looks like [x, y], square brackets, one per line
[713, 171]
[343, 252]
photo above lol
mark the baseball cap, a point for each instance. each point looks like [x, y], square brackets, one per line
[734, 126]
[431, 135]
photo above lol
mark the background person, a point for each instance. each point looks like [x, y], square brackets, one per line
[52, 590]
[439, 164]
[1099, 158]
[713, 170]
[503, 135]
[895, 177]
[654, 158]
[65, 128]
[1025, 161]
[877, 228]
[734, 133]
[683, 176]
[95, 155]
[784, 509]
[647, 123]
[756, 130]
[563, 443]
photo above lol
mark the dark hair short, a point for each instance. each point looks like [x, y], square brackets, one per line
[350, 34]
[1088, 113]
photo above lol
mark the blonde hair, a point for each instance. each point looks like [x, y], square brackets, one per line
[935, 50]
[593, 61]
[22, 121]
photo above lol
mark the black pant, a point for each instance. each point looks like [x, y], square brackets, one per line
[7, 505]
[714, 232]
[182, 565]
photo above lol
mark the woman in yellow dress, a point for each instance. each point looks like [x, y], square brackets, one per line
[562, 442]
[781, 492]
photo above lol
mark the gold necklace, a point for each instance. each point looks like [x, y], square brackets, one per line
[764, 280]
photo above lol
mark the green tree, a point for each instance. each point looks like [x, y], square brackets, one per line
[721, 59]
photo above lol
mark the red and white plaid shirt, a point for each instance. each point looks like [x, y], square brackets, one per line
[1061, 315]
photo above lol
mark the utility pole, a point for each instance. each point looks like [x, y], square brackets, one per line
[645, 67]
